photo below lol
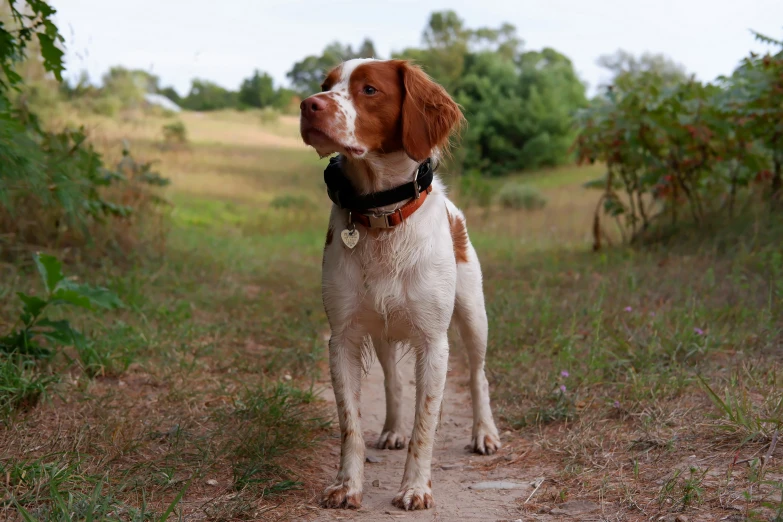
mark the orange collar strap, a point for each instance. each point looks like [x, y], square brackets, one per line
[392, 219]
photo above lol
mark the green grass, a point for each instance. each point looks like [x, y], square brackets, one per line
[191, 379]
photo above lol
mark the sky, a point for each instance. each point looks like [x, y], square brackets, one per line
[225, 41]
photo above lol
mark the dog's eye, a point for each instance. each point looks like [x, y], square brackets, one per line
[369, 90]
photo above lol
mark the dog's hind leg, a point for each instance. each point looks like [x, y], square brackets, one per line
[470, 317]
[389, 354]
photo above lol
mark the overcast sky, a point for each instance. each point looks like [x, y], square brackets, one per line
[224, 41]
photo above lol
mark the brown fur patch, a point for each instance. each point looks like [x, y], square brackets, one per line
[332, 78]
[429, 483]
[378, 115]
[429, 115]
[459, 237]
[407, 110]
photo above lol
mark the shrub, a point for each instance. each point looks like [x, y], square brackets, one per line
[475, 189]
[290, 201]
[36, 337]
[269, 115]
[56, 191]
[686, 150]
[516, 196]
[175, 133]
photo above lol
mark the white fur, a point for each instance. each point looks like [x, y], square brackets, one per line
[345, 118]
[399, 290]
[402, 288]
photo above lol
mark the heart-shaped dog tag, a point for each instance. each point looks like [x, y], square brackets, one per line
[350, 237]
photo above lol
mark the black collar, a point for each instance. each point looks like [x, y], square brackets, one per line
[343, 194]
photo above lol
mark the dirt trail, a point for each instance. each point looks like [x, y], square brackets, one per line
[454, 467]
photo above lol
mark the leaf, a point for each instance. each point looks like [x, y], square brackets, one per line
[32, 306]
[26, 516]
[60, 332]
[50, 269]
[87, 296]
[71, 296]
[22, 342]
[165, 516]
[52, 55]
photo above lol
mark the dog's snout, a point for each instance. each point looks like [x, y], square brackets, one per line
[312, 105]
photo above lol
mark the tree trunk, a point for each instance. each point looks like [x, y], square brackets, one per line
[777, 183]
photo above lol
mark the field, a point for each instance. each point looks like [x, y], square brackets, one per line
[645, 381]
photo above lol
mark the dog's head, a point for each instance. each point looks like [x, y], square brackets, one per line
[379, 106]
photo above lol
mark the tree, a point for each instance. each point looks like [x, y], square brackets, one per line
[519, 112]
[258, 91]
[366, 50]
[625, 68]
[519, 105]
[306, 75]
[171, 93]
[205, 95]
[129, 85]
[446, 43]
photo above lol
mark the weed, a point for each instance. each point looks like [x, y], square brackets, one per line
[37, 336]
[272, 422]
[175, 133]
[517, 196]
[742, 418]
[269, 115]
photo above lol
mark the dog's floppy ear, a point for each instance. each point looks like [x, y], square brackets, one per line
[429, 115]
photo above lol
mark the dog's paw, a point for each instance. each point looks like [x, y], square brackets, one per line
[341, 496]
[391, 439]
[414, 497]
[485, 441]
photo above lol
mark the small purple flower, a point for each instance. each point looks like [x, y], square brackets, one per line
[564, 373]
[628, 309]
[698, 331]
[617, 404]
[652, 314]
[562, 388]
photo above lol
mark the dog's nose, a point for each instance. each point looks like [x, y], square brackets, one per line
[312, 105]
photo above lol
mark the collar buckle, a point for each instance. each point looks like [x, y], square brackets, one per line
[381, 221]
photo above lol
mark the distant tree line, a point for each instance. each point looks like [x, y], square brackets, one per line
[521, 105]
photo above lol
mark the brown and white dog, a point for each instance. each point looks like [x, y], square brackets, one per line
[395, 276]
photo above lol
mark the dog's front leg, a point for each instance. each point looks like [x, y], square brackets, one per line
[431, 366]
[345, 364]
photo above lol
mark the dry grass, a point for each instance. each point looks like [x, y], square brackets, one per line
[214, 327]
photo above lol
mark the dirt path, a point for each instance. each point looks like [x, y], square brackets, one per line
[454, 467]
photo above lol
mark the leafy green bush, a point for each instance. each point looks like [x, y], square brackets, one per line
[103, 105]
[54, 187]
[269, 115]
[175, 133]
[473, 188]
[686, 150]
[36, 337]
[516, 196]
